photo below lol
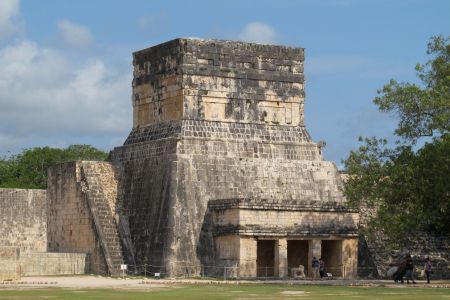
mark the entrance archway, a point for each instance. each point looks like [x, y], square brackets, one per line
[297, 253]
[265, 258]
[332, 256]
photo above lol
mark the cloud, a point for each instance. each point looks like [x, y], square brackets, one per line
[75, 35]
[45, 97]
[10, 18]
[257, 32]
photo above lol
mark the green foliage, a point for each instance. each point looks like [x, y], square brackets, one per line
[403, 190]
[422, 110]
[29, 168]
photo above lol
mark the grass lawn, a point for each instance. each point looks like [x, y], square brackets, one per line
[268, 291]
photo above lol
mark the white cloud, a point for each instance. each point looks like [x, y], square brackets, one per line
[10, 19]
[45, 97]
[257, 32]
[75, 35]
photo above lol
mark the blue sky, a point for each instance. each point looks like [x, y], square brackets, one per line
[65, 66]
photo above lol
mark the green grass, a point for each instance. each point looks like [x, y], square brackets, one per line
[253, 291]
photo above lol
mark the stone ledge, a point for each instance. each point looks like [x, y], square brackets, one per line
[285, 231]
[273, 204]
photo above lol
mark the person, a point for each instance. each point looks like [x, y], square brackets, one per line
[427, 267]
[409, 274]
[315, 268]
[321, 268]
[401, 270]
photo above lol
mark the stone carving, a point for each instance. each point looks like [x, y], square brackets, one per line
[298, 273]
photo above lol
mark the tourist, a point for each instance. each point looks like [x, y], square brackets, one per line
[427, 268]
[315, 268]
[401, 271]
[321, 268]
[409, 274]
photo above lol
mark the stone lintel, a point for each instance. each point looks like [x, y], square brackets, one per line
[285, 232]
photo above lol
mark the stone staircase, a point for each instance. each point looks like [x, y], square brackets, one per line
[420, 246]
[100, 190]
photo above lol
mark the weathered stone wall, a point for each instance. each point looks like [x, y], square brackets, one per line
[9, 263]
[237, 254]
[218, 81]
[350, 257]
[146, 191]
[213, 120]
[71, 225]
[23, 237]
[23, 221]
[49, 264]
[378, 255]
[251, 169]
[14, 264]
[278, 218]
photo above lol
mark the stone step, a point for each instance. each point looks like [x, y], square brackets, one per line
[97, 175]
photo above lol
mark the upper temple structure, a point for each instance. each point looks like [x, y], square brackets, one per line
[218, 171]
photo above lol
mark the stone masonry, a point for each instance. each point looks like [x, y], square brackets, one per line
[218, 176]
[23, 222]
[216, 120]
[23, 238]
[82, 214]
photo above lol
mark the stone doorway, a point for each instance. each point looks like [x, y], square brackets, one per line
[332, 256]
[265, 258]
[297, 254]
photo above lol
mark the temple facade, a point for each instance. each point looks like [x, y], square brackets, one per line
[218, 172]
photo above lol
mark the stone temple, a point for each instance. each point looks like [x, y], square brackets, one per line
[218, 171]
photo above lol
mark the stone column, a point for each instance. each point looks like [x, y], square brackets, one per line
[314, 250]
[281, 263]
[247, 257]
[350, 258]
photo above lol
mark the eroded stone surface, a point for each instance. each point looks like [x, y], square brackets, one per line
[223, 120]
[23, 219]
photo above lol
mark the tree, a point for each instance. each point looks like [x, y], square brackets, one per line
[408, 189]
[422, 110]
[29, 168]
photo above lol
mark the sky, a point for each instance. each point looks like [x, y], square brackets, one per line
[66, 66]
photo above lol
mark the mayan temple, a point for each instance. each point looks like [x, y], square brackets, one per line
[218, 171]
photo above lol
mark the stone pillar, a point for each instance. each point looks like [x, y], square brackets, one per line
[247, 257]
[314, 250]
[350, 258]
[280, 262]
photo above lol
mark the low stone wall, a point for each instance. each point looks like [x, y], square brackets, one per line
[23, 219]
[14, 264]
[47, 263]
[9, 263]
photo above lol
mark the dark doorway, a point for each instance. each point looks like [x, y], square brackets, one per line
[332, 257]
[297, 253]
[265, 254]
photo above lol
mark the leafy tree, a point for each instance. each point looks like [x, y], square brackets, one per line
[403, 189]
[29, 168]
[422, 110]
